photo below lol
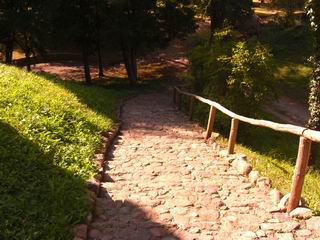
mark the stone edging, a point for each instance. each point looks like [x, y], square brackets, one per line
[280, 201]
[93, 185]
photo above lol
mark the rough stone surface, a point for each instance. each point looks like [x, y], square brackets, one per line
[164, 182]
[264, 182]
[253, 176]
[81, 231]
[244, 168]
[284, 236]
[275, 195]
[301, 213]
[314, 223]
[303, 233]
[285, 200]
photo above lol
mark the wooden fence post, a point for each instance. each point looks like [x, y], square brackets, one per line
[299, 173]
[174, 95]
[191, 108]
[212, 116]
[233, 135]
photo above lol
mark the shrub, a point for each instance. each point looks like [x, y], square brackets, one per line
[234, 72]
[233, 12]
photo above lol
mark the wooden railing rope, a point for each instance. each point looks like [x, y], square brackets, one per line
[306, 137]
[279, 127]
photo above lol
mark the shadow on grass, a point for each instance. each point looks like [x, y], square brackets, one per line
[293, 44]
[38, 200]
[103, 97]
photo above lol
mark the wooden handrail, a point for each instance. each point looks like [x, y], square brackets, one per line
[279, 127]
[306, 137]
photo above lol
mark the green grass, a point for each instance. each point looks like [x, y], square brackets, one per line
[293, 78]
[49, 133]
[291, 49]
[274, 154]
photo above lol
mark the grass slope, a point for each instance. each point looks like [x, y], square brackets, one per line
[291, 48]
[49, 132]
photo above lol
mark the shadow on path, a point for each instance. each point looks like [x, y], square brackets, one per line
[119, 219]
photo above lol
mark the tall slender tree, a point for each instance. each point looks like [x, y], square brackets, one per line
[8, 11]
[22, 25]
[142, 24]
[76, 20]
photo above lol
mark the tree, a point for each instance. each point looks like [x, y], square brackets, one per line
[289, 6]
[313, 10]
[143, 24]
[101, 19]
[236, 73]
[22, 24]
[8, 10]
[30, 29]
[230, 12]
[76, 22]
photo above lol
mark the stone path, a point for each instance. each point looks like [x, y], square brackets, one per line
[163, 182]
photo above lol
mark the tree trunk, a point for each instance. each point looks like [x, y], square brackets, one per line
[100, 62]
[28, 63]
[9, 50]
[130, 63]
[86, 66]
[98, 24]
[211, 31]
[126, 62]
[133, 57]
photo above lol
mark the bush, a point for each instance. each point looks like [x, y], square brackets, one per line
[234, 72]
[234, 12]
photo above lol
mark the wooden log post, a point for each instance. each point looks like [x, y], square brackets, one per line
[233, 135]
[299, 173]
[192, 100]
[174, 95]
[212, 116]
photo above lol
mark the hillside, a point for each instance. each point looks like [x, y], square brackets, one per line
[49, 132]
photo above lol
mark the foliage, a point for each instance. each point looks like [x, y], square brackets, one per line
[134, 25]
[22, 24]
[314, 98]
[291, 48]
[232, 12]
[200, 6]
[139, 25]
[313, 12]
[289, 6]
[79, 22]
[236, 73]
[49, 132]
